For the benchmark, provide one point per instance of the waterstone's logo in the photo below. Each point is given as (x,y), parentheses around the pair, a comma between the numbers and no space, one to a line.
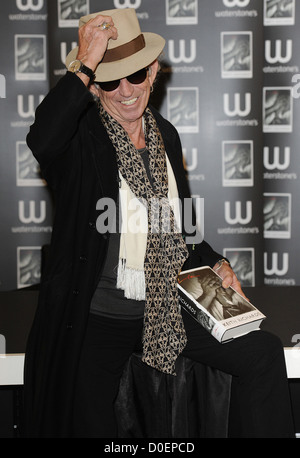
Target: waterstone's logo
(276,269)
(29,213)
(127,3)
(182,55)
(276,266)
(64,50)
(26,106)
(277,55)
(33,5)
(281,160)
(239,108)
(234,3)
(238,217)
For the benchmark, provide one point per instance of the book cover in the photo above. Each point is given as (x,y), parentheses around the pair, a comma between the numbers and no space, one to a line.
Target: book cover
(221,311)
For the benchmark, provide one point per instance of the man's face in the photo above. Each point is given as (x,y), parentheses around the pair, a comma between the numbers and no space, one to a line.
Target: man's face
(127,103)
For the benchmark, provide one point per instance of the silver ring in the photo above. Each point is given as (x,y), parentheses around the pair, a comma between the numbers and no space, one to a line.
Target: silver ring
(105,26)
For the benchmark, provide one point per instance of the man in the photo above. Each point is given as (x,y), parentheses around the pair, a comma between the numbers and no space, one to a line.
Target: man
(104,293)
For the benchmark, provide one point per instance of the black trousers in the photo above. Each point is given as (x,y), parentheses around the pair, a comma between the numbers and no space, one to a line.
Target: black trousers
(260,403)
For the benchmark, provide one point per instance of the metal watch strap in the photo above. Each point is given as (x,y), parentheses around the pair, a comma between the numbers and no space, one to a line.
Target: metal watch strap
(221,262)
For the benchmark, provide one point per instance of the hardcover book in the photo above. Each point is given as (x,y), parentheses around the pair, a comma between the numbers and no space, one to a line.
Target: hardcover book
(221,311)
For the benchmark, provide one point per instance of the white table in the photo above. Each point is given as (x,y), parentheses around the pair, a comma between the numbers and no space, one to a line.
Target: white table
(11,366)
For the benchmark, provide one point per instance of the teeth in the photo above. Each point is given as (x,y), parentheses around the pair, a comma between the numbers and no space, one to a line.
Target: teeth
(129,102)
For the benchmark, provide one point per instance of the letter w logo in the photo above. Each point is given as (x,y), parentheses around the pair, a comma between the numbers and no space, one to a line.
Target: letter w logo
(238,219)
(127,4)
(182,54)
(237,111)
(32,217)
(278,57)
(233,3)
(276,161)
(274,270)
(29,5)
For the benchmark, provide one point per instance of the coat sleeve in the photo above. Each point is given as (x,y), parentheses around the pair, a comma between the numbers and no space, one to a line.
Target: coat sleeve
(57,119)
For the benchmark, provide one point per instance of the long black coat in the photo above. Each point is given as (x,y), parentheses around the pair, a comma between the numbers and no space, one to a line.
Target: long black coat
(79,163)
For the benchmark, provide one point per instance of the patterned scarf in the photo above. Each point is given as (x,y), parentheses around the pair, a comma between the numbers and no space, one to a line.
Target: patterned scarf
(164,335)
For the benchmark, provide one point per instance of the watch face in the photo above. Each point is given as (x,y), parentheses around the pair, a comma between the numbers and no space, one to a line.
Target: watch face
(75,66)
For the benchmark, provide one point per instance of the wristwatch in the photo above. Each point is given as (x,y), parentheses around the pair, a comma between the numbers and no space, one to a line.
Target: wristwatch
(78,67)
(221,262)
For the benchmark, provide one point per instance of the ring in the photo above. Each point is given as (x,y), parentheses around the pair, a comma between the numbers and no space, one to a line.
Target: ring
(105,26)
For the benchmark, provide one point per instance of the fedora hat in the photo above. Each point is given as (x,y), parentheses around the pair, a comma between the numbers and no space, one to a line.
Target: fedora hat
(130,52)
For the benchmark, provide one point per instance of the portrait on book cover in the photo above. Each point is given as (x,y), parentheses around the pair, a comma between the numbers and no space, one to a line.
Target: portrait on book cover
(222,303)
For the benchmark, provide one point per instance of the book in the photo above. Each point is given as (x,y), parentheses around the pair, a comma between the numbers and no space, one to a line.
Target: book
(221,311)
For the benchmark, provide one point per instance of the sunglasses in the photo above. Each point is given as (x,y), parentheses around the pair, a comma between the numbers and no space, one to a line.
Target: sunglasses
(136,78)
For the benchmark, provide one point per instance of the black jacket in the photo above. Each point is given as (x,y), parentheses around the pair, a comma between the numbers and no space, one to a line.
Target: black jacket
(78,161)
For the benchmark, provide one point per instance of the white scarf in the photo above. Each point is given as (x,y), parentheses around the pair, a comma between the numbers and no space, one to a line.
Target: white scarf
(131,277)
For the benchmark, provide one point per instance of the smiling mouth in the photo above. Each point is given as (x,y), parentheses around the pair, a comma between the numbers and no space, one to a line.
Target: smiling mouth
(129,102)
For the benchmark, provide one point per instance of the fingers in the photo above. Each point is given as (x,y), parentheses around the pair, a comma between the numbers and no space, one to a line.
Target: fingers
(230,279)
(98,20)
(227,277)
(105,24)
(93,40)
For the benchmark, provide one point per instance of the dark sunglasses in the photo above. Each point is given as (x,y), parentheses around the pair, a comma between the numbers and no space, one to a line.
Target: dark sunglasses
(136,78)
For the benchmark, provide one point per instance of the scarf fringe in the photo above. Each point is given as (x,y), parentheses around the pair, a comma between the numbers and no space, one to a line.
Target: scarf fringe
(131,281)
